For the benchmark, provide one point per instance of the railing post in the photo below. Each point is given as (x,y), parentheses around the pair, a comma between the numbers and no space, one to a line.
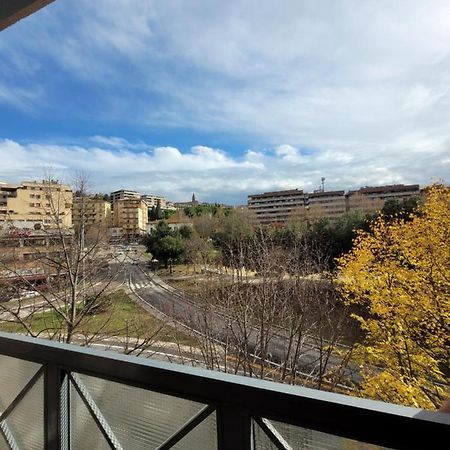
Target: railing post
(233,428)
(52,407)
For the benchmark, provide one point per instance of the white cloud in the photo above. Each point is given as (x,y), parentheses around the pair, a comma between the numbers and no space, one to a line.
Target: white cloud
(213,174)
(364,86)
(289,154)
(117,142)
(308,73)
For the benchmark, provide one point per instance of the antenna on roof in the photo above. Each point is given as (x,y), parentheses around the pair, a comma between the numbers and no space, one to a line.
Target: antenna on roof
(323,184)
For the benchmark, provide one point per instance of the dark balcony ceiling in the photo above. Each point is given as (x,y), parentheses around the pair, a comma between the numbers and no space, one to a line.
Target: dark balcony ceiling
(13,10)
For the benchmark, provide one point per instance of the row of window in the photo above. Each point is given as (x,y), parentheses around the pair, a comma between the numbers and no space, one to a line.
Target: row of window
(38,255)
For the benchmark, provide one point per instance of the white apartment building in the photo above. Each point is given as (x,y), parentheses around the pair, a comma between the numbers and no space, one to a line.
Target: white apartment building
(152,201)
(123,193)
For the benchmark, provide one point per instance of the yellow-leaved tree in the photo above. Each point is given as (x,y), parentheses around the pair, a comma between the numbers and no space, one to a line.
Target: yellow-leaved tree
(397,278)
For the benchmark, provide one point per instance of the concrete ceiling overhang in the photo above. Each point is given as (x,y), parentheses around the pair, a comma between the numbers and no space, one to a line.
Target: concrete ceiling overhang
(13,10)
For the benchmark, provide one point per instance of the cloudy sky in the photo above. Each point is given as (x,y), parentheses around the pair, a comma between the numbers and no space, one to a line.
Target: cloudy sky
(227,98)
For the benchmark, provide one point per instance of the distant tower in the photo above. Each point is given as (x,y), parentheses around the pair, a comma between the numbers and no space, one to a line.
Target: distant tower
(323,184)
(194,201)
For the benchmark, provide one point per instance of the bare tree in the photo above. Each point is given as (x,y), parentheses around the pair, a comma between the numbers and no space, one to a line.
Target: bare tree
(78,275)
(284,323)
(198,251)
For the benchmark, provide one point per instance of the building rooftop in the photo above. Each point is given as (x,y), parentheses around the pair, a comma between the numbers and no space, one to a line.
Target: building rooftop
(13,11)
(325,194)
(285,192)
(386,188)
(390,188)
(125,190)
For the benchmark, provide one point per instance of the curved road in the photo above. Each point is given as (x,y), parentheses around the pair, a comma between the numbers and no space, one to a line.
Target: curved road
(174,304)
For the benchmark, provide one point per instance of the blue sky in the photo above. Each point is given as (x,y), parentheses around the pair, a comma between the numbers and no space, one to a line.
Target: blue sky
(229,98)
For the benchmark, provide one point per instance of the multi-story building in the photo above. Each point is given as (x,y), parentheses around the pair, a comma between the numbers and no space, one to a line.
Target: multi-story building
(123,193)
(277,206)
(152,201)
(372,199)
(280,206)
(48,203)
(325,204)
(20,245)
(96,212)
(31,257)
(131,215)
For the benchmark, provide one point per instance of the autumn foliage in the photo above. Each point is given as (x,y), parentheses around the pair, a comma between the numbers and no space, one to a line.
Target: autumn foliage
(398,279)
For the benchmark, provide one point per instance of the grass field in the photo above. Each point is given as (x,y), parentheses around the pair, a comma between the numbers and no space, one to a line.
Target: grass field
(120,317)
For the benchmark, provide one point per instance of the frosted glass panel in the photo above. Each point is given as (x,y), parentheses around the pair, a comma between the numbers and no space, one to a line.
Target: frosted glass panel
(14,375)
(26,421)
(261,440)
(140,419)
(3,444)
(84,431)
(306,439)
(203,435)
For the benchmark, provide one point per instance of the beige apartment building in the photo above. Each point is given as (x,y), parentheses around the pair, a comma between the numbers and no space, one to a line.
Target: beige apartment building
(372,198)
(97,212)
(24,205)
(325,204)
(276,206)
(131,215)
(280,206)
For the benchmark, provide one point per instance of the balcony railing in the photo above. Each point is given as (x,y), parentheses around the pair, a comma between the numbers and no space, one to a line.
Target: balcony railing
(58,396)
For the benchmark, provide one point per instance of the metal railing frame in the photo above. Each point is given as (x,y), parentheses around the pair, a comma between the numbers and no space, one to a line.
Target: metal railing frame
(236,399)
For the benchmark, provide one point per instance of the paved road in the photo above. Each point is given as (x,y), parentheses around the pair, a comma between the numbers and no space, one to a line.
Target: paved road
(155,292)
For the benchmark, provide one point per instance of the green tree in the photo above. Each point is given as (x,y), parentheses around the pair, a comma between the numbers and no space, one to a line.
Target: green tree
(169,249)
(161,230)
(158,210)
(152,214)
(152,239)
(211,210)
(164,244)
(167,213)
(333,239)
(400,208)
(185,232)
